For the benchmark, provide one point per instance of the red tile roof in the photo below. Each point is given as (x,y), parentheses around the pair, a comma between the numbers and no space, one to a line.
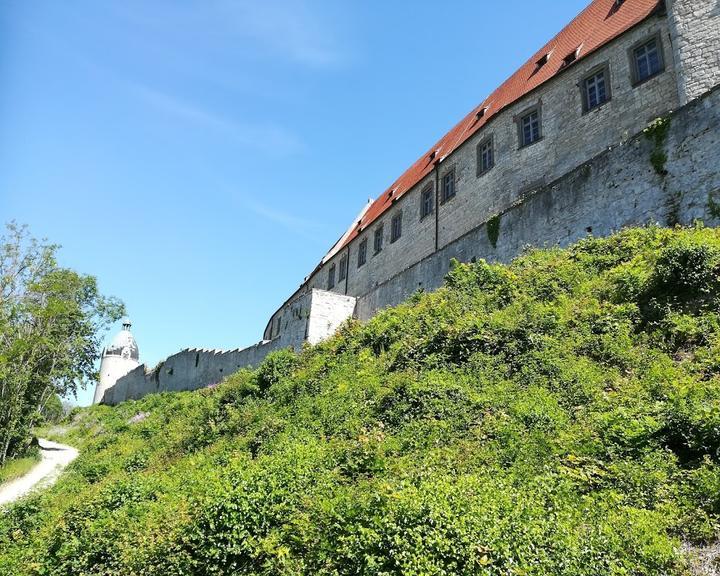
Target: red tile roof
(601,22)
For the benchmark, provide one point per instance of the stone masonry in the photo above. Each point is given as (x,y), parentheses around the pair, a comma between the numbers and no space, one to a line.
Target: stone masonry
(590,173)
(694,26)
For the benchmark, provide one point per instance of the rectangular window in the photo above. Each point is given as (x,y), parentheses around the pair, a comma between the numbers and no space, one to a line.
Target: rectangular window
(647,60)
(595,90)
(343,267)
(486,156)
(427,201)
(530,128)
(331,277)
(448,185)
(362,252)
(396,227)
(378,239)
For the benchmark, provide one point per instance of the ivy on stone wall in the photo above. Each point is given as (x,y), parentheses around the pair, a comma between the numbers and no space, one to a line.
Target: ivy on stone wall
(493,230)
(713,205)
(673,208)
(657,132)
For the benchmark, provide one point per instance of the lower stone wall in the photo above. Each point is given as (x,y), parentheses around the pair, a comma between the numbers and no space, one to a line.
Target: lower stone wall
(189,369)
(312,316)
(619,188)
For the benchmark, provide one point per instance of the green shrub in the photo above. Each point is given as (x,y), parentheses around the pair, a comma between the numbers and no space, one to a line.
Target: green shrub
(556,416)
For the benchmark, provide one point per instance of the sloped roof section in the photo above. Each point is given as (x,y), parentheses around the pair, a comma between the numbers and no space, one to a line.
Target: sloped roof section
(601,22)
(342,242)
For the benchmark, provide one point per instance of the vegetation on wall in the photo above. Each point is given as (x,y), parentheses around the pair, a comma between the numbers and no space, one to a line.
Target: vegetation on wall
(50,320)
(558,416)
(657,133)
(493,230)
(713,205)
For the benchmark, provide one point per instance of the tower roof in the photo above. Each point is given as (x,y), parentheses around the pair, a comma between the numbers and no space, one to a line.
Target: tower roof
(123,344)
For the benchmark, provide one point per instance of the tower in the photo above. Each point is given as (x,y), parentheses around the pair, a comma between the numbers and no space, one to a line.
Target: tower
(695,35)
(118,359)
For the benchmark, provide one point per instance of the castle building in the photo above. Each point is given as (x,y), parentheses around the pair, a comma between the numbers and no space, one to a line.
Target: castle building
(118,358)
(615,122)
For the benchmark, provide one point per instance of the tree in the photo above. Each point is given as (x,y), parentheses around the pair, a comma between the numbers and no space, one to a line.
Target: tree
(51,320)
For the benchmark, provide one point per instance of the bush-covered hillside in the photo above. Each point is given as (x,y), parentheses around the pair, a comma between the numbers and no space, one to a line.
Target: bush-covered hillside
(558,416)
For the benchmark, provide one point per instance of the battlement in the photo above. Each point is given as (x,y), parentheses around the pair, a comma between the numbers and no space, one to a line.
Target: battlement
(317,315)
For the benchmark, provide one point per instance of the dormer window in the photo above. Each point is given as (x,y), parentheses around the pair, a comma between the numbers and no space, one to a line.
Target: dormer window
(570,58)
(543,60)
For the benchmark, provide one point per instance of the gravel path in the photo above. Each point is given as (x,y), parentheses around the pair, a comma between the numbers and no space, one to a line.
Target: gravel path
(54,458)
(704,560)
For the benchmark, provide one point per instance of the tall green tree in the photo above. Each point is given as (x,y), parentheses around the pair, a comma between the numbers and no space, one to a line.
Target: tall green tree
(51,324)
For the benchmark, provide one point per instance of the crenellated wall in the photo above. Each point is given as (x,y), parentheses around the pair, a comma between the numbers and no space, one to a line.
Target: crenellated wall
(311,316)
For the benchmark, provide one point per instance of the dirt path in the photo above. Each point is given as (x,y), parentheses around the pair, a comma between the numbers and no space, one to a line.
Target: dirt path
(54,458)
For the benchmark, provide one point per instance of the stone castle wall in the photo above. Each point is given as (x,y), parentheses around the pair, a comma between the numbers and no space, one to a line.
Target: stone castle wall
(618,188)
(311,316)
(591,173)
(570,138)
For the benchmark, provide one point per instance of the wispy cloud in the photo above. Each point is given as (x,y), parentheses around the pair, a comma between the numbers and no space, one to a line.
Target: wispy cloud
(266,137)
(284,219)
(308,32)
(291,28)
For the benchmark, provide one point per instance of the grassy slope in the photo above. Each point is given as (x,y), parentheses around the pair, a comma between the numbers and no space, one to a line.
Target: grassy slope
(559,416)
(17,467)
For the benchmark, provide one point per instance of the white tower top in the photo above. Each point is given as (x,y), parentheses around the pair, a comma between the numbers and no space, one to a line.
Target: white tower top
(123,344)
(118,358)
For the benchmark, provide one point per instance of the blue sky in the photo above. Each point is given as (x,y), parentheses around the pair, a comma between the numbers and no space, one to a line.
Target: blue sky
(199,157)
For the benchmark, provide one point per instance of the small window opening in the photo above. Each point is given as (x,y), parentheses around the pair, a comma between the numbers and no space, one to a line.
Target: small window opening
(331,277)
(530,128)
(396,227)
(648,60)
(595,90)
(448,186)
(378,239)
(362,253)
(343,267)
(427,201)
(486,156)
